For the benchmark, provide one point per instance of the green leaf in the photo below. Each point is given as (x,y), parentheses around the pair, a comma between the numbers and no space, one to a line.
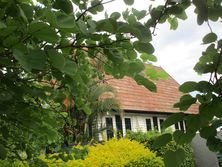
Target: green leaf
(173,119)
(193,123)
(201,10)
(187,87)
(135,68)
(6,95)
(182,16)
(143,47)
(173,23)
(162,140)
(43,31)
(108,25)
(64,5)
(163,74)
(139,14)
(185,102)
(115,15)
(141,32)
(214,144)
(208,131)
(70,68)
(145,82)
(204,87)
(156,13)
(28,10)
(37,59)
(22,14)
(57,59)
(65,21)
(131,19)
(202,68)
(174,158)
(175,9)
(98,7)
(3,152)
(129,2)
(2,25)
(209,38)
(22,59)
(145,57)
(82,26)
(151,73)
(182,138)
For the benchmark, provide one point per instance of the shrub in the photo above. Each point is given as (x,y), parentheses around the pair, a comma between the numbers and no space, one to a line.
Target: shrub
(60,158)
(119,153)
(13,163)
(146,162)
(148,139)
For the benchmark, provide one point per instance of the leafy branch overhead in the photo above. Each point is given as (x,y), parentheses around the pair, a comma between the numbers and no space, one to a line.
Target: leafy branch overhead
(52,52)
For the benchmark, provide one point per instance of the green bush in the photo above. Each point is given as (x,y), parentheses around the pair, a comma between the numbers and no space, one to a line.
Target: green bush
(63,156)
(146,162)
(13,163)
(148,139)
(119,153)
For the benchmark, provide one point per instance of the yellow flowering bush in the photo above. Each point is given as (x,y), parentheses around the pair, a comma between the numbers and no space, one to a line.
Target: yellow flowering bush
(51,161)
(116,153)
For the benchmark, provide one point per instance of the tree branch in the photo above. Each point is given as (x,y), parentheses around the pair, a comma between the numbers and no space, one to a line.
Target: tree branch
(91,7)
(162,13)
(93,46)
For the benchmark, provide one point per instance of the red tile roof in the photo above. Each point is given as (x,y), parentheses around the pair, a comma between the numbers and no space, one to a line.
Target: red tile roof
(137,98)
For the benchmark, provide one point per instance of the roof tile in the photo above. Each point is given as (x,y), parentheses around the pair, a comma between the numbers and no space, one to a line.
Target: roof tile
(136,97)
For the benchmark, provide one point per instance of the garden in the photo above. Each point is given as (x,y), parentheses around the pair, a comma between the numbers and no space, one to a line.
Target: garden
(54,56)
(136,149)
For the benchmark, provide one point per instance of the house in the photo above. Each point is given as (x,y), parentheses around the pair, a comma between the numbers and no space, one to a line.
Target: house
(143,110)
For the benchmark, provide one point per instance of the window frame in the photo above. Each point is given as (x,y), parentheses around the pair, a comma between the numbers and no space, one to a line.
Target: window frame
(179,127)
(130,123)
(151,122)
(113,128)
(158,122)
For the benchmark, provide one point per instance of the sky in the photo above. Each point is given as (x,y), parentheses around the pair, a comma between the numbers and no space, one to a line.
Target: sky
(177,51)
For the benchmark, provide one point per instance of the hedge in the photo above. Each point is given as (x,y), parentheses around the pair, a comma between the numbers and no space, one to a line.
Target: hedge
(148,139)
(119,153)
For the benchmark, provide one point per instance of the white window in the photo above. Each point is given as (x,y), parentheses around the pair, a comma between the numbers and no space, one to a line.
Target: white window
(180,126)
(160,122)
(149,124)
(109,127)
(128,124)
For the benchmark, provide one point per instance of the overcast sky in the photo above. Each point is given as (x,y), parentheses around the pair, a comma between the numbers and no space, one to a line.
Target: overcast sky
(177,51)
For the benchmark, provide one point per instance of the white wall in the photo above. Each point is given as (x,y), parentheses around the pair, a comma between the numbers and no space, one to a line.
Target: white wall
(138,122)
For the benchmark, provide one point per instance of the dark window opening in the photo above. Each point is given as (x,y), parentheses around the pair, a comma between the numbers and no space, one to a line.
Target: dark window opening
(155,123)
(182,126)
(119,126)
(128,124)
(177,126)
(109,126)
(148,125)
(161,122)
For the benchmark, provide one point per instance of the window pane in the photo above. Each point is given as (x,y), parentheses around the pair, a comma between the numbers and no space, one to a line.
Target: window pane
(109,126)
(181,126)
(128,124)
(177,126)
(148,125)
(119,126)
(161,122)
(155,124)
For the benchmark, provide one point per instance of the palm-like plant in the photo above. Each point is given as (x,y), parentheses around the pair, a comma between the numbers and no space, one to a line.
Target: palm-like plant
(102,100)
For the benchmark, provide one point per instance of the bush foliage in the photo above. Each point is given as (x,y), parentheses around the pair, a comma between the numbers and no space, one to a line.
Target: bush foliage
(115,152)
(148,140)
